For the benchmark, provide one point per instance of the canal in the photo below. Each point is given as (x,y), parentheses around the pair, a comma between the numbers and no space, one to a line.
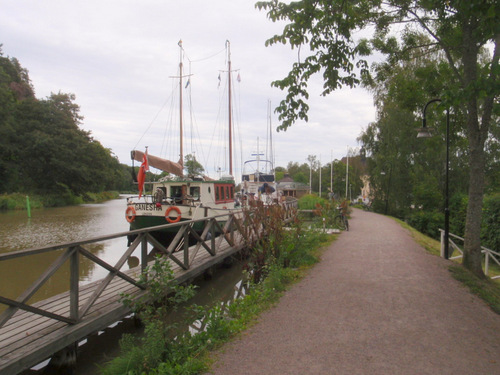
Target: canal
(66,224)
(52,226)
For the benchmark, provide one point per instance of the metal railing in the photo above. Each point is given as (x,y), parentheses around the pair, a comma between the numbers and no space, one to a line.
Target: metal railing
(488,253)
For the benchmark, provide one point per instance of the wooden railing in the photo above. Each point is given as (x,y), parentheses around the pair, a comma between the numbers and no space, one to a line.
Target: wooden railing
(488,253)
(239,230)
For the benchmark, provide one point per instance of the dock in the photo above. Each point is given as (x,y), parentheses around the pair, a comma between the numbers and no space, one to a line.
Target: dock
(32,333)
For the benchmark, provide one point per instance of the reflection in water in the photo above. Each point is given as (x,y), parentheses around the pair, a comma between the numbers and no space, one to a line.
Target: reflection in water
(53,226)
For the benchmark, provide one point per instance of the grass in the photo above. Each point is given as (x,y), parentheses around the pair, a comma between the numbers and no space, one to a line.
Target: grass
(286,262)
(486,289)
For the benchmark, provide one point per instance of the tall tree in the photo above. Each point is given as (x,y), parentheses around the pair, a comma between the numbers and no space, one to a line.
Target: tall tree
(42,148)
(460,29)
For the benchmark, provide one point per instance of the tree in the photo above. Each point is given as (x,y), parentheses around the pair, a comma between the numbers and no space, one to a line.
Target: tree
(42,148)
(459,29)
(192,167)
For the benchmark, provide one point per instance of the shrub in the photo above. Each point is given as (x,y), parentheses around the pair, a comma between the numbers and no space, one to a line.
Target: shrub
(309,202)
(490,231)
(427,222)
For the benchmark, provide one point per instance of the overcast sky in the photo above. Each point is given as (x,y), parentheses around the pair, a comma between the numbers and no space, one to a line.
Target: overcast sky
(117,57)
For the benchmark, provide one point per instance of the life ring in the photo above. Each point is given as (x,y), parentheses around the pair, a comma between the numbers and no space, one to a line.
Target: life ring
(167,214)
(130,214)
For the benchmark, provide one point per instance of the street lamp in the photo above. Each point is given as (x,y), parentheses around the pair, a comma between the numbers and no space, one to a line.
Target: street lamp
(425,132)
(383,173)
(362,153)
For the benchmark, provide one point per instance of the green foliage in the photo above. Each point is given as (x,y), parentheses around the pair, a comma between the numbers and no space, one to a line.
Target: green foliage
(458,213)
(42,148)
(490,233)
(146,353)
(309,202)
(487,290)
(427,222)
(158,352)
(440,53)
(163,292)
(192,166)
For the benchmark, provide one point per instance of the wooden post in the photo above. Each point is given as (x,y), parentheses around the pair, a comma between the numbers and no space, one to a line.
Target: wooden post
(73,284)
(186,248)
(144,255)
(486,262)
(442,243)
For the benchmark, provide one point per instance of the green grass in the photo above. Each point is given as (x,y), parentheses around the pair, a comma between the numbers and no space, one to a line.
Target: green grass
(488,290)
(155,353)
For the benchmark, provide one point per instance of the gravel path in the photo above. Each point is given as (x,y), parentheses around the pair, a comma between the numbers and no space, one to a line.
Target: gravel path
(377,303)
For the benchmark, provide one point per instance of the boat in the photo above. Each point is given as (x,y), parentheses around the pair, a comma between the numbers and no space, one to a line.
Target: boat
(178,197)
(258,180)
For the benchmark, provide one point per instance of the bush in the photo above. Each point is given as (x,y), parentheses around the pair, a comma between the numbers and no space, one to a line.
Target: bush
(309,202)
(282,256)
(490,231)
(458,213)
(427,222)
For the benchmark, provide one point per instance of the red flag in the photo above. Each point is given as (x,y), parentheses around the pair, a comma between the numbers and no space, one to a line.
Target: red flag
(141,176)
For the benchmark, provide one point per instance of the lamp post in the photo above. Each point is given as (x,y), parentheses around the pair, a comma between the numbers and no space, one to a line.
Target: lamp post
(383,173)
(425,132)
(347,175)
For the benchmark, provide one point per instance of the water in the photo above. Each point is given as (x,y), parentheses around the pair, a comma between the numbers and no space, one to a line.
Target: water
(52,226)
(66,224)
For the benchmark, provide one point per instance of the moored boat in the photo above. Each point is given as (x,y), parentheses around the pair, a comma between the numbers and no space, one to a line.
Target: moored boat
(178,197)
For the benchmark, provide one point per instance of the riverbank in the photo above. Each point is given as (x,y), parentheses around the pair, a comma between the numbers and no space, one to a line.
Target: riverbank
(19,201)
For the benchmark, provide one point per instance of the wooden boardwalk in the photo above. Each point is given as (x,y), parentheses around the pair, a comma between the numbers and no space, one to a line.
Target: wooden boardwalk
(31,333)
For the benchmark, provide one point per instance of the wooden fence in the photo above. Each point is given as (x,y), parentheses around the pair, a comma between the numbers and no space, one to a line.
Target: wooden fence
(30,333)
(489,255)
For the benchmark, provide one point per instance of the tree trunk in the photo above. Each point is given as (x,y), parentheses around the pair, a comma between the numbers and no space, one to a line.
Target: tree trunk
(477,133)
(472,248)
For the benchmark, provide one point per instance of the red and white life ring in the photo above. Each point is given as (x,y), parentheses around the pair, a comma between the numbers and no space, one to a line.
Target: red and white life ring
(167,214)
(130,214)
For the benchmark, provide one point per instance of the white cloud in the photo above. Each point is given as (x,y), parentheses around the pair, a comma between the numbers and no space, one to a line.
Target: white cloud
(117,56)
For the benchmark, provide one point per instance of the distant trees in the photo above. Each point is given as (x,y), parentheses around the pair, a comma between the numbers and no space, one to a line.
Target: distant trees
(42,148)
(404,32)
(192,166)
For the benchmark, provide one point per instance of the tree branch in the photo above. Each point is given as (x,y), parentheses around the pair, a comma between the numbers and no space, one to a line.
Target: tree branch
(440,42)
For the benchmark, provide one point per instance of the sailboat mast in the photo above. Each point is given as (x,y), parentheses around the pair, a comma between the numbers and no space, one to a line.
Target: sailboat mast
(181,161)
(230,110)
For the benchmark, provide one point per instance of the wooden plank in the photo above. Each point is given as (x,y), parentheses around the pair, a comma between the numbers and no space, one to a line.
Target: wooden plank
(27,339)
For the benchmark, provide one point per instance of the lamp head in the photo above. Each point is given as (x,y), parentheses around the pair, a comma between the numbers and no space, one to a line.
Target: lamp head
(424,132)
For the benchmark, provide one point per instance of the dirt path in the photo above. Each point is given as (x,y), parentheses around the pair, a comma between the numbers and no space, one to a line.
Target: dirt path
(377,303)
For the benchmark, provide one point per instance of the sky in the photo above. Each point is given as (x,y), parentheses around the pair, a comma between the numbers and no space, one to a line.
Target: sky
(118,58)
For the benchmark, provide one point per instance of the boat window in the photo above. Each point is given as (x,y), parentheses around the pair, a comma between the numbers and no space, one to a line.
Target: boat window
(176,191)
(195,192)
(224,193)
